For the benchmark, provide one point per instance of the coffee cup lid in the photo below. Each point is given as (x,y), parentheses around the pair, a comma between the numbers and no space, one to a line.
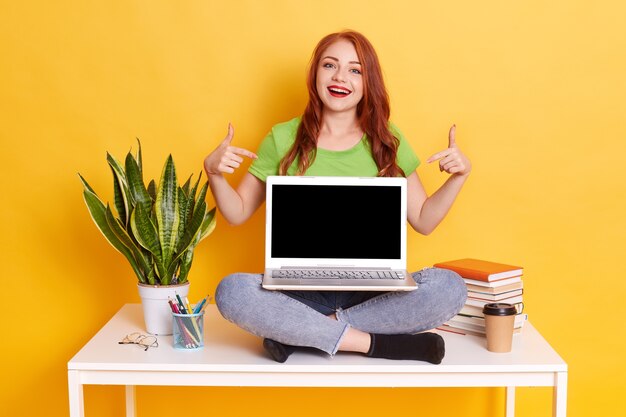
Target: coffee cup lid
(499,309)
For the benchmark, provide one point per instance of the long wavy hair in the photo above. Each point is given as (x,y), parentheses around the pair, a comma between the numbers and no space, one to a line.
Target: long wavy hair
(372,111)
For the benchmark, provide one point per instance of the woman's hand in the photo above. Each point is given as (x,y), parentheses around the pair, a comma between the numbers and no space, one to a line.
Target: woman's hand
(226,158)
(452,160)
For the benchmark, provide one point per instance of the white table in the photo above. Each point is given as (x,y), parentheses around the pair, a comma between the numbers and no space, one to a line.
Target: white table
(232,357)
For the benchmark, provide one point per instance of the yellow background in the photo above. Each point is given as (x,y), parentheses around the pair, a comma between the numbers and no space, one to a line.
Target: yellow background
(537,90)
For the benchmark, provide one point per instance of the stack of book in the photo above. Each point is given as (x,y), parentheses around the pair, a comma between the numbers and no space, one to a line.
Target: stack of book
(487,282)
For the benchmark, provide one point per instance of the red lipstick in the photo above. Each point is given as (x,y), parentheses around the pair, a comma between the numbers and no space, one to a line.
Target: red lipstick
(337,91)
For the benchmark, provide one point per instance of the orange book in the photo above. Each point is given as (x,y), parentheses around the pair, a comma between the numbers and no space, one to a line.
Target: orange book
(481,270)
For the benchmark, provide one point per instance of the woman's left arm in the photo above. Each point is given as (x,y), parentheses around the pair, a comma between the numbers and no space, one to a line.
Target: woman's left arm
(424,212)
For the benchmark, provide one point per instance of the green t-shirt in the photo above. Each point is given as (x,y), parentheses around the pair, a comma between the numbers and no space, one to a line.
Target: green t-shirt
(355,162)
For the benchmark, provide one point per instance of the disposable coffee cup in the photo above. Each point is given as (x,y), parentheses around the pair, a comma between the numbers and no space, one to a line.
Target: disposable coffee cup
(499,320)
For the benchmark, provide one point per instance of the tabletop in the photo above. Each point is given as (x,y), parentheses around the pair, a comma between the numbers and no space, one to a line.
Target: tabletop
(229,348)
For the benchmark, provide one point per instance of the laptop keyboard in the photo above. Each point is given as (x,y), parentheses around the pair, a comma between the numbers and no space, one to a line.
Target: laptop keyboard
(335,274)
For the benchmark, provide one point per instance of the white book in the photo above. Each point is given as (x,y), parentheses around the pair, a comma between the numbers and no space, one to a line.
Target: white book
(477,311)
(493,297)
(479,321)
(464,330)
(481,303)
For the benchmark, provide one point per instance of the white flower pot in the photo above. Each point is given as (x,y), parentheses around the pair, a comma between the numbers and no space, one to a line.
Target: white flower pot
(157,313)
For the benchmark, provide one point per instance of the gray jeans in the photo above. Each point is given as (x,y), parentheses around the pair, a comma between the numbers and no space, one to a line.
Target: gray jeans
(299,318)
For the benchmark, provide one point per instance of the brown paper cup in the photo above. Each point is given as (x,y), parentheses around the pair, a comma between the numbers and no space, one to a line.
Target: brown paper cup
(499,321)
(499,333)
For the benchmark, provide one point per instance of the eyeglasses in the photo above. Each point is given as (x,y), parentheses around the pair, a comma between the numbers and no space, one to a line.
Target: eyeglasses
(142,340)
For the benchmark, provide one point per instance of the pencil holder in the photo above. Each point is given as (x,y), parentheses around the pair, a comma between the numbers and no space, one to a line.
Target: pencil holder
(188,331)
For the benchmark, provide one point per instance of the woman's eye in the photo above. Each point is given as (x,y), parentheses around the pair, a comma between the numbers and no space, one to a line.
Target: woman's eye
(355,71)
(328,65)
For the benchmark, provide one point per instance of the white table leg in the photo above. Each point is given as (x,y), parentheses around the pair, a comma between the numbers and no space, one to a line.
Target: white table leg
(75,388)
(559,401)
(510,402)
(131,403)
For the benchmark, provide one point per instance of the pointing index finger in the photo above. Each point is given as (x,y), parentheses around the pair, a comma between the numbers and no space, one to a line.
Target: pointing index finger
(243,152)
(439,155)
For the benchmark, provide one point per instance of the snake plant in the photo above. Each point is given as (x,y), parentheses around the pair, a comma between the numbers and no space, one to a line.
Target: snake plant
(156,227)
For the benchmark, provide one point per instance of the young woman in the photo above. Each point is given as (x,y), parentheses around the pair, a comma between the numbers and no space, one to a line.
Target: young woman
(345,131)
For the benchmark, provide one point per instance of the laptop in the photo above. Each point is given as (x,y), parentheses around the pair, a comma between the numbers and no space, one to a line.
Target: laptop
(336,234)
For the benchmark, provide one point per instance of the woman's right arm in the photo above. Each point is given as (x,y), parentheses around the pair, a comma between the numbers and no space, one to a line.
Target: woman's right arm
(235,205)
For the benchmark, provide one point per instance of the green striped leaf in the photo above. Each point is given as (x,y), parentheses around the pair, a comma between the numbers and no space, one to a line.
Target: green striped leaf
(203,191)
(146,234)
(172,270)
(121,193)
(208,225)
(183,208)
(186,185)
(152,190)
(139,157)
(86,184)
(191,199)
(167,211)
(135,183)
(185,265)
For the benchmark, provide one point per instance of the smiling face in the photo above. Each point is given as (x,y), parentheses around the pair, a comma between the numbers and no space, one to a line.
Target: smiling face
(339,81)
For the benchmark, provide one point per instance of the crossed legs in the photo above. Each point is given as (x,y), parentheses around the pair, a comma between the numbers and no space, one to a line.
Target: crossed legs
(358,322)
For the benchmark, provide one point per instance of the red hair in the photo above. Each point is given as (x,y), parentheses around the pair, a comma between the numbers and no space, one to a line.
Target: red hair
(372,111)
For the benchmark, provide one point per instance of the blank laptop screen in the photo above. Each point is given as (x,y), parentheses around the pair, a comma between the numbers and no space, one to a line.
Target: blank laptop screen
(336,221)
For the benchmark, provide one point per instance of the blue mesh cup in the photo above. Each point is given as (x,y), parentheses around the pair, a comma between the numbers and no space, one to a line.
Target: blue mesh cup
(188,331)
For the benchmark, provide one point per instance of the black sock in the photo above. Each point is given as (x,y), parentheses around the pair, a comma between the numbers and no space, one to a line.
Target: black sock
(277,350)
(428,347)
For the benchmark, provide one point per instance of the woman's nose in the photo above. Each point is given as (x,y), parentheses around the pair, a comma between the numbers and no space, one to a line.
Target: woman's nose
(339,76)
